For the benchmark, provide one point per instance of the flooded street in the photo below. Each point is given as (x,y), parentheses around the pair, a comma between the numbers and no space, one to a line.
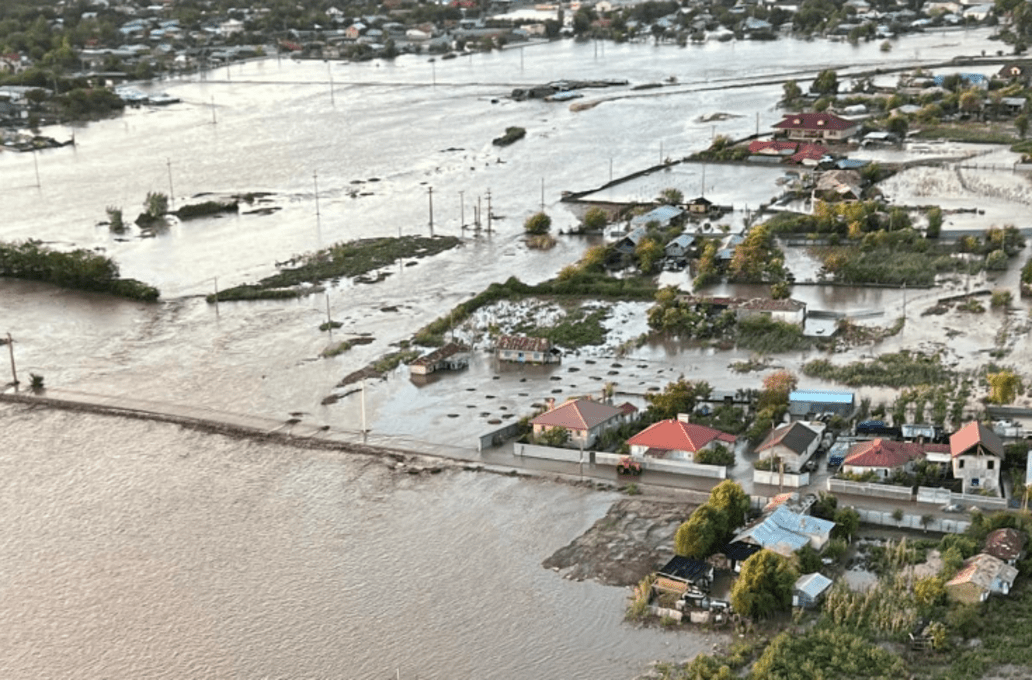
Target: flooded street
(139,549)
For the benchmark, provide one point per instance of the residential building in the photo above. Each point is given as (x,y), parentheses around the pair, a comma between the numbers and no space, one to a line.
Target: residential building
(664,215)
(677,439)
(584,419)
(737,552)
(809,589)
(785,532)
(700,205)
(792,444)
(977,454)
(688,570)
(522,349)
(679,247)
(1018,72)
(817,126)
(451,356)
(1007,545)
(981,576)
(804,403)
(788,310)
(885,457)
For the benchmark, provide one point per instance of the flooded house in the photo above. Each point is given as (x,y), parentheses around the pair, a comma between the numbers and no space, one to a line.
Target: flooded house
(816,127)
(1007,545)
(585,419)
(803,403)
(793,444)
(788,310)
(981,576)
(522,349)
(450,357)
(664,216)
(677,439)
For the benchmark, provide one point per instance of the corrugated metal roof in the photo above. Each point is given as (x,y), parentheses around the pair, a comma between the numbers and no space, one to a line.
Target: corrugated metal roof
(812,585)
(826,397)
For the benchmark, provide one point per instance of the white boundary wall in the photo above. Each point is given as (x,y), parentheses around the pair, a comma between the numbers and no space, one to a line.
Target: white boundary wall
(900,493)
(773,478)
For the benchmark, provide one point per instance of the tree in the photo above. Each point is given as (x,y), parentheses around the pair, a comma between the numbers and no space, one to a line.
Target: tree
(649,252)
(825,506)
(765,585)
(847,521)
(678,397)
(929,592)
(554,436)
(1021,124)
(538,223)
(897,515)
(156,204)
(595,219)
(671,196)
(934,222)
(731,502)
(809,559)
(791,92)
(970,101)
(898,125)
(780,290)
(776,388)
(826,83)
(1003,386)
(115,222)
(701,535)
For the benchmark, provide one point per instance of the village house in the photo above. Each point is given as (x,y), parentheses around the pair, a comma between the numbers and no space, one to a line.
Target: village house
(1007,545)
(699,206)
(772,147)
(807,403)
(817,126)
(738,552)
(785,532)
(584,419)
(977,454)
(522,349)
(981,576)
(789,311)
(1020,72)
(792,444)
(663,216)
(688,571)
(680,247)
(809,589)
(450,357)
(885,457)
(677,439)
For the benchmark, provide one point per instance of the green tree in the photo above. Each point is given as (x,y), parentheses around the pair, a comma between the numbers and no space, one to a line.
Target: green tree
(554,436)
(792,92)
(825,506)
(731,501)
(671,196)
(595,219)
(826,83)
(898,125)
(701,535)
(823,653)
(156,204)
(765,585)
(934,222)
(649,253)
(1021,124)
(809,560)
(115,221)
(929,592)
(847,522)
(678,397)
(538,223)
(1004,386)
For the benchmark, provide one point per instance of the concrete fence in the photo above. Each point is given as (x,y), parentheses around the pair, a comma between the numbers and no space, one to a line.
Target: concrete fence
(676,467)
(933,496)
(899,493)
(498,437)
(774,478)
(679,467)
(912,521)
(550,452)
(983,502)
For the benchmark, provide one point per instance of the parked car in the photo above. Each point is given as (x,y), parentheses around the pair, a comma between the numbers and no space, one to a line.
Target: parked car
(952,507)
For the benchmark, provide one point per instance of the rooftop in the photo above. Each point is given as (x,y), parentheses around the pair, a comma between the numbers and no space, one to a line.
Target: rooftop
(974,435)
(814,121)
(578,414)
(795,437)
(677,435)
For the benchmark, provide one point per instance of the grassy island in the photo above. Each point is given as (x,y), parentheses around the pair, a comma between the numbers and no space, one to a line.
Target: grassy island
(80,269)
(342,259)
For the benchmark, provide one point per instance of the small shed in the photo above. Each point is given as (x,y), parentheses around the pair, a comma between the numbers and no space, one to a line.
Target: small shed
(688,570)
(803,403)
(699,205)
(739,551)
(809,589)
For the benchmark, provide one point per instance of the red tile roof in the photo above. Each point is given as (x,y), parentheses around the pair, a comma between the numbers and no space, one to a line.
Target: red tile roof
(883,453)
(676,435)
(771,146)
(814,121)
(809,152)
(965,439)
(578,414)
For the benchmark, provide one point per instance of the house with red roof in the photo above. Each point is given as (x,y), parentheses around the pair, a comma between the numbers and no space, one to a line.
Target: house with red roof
(677,439)
(585,419)
(886,457)
(817,126)
(809,154)
(977,454)
(772,147)
(792,444)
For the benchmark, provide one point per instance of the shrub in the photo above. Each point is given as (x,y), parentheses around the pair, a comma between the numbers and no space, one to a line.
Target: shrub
(538,223)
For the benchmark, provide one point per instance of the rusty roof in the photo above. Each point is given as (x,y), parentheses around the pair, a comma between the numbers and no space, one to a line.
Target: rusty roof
(1006,544)
(578,414)
(974,434)
(521,343)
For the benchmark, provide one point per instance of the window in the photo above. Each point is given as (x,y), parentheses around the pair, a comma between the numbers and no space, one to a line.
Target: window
(989,464)
(961,464)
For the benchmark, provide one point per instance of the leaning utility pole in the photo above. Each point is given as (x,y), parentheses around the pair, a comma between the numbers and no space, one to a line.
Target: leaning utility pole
(14,372)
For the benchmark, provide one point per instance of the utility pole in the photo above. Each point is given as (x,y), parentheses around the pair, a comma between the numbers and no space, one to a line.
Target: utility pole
(14,372)
(216,296)
(489,211)
(661,152)
(610,169)
(364,430)
(462,210)
(315,180)
(329,319)
(479,212)
(431,197)
(329,70)
(213,121)
(171,193)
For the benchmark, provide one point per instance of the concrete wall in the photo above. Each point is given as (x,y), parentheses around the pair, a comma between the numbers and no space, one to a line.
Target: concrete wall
(912,521)
(984,502)
(678,467)
(933,496)
(772,478)
(498,437)
(550,452)
(900,493)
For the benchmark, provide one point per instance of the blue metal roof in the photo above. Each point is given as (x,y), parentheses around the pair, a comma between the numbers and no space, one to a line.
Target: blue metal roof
(826,397)
(812,585)
(662,214)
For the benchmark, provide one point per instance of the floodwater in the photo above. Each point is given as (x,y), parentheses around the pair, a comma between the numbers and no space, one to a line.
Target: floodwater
(164,553)
(137,549)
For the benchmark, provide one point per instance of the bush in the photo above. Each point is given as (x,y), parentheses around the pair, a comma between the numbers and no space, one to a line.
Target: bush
(718,455)
(512,134)
(539,223)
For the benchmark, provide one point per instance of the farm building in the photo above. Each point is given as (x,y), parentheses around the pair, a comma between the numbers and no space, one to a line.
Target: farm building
(805,403)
